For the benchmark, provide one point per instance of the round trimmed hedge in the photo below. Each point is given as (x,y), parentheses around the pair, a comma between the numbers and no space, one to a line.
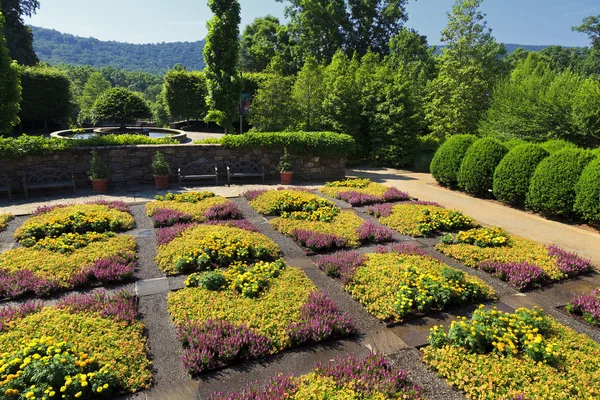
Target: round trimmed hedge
(587,201)
(552,189)
(555,145)
(448,158)
(511,144)
(513,175)
(476,173)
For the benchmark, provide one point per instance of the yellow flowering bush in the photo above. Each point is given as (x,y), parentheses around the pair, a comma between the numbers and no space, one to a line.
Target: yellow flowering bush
(77,218)
(483,237)
(295,204)
(4,220)
(194,204)
(344,225)
(350,183)
(516,250)
(424,220)
(524,354)
(185,197)
(69,242)
(64,372)
(269,314)
(392,286)
(205,246)
(86,338)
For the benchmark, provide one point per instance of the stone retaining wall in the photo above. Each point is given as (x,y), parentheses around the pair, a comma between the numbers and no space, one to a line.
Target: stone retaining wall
(130,165)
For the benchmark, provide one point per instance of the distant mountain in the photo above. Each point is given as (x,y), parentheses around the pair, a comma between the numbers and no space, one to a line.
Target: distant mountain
(55,47)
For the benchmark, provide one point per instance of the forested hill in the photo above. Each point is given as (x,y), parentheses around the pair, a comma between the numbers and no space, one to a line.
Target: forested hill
(55,47)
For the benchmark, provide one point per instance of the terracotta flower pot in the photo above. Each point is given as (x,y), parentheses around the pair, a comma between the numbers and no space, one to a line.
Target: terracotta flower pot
(100,185)
(286,178)
(161,181)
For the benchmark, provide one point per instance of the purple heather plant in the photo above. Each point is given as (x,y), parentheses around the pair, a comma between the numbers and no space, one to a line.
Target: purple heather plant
(374,233)
(520,275)
(114,204)
(116,268)
(569,263)
(358,199)
(19,283)
(167,217)
(318,241)
(402,248)
(381,210)
(277,388)
(253,194)
(44,209)
(320,319)
(236,223)
(223,211)
(215,343)
(393,194)
(586,305)
(121,306)
(425,203)
(342,264)
(168,234)
(24,309)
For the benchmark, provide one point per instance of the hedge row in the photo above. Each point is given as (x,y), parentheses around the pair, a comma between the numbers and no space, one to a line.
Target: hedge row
(555,178)
(301,143)
(24,145)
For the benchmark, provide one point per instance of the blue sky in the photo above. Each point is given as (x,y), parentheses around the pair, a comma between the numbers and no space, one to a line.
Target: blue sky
(151,21)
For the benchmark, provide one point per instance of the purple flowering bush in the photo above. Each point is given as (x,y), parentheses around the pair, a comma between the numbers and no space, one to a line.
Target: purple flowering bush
(225,211)
(167,217)
(569,263)
(318,241)
(370,232)
(121,306)
(168,234)
(24,309)
(381,210)
(586,305)
(520,275)
(236,223)
(342,264)
(253,194)
(361,192)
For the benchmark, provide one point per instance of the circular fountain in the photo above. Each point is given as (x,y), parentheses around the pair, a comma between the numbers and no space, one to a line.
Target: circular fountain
(151,132)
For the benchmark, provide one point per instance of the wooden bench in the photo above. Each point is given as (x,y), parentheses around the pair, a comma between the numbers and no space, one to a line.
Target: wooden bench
(5,185)
(245,169)
(48,178)
(198,170)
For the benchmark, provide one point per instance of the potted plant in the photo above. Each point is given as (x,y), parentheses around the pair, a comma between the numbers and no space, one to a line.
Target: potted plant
(285,168)
(161,171)
(98,174)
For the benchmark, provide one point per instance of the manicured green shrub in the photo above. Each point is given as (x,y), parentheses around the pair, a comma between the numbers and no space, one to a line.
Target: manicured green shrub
(446,162)
(317,143)
(511,144)
(552,189)
(513,175)
(476,173)
(587,201)
(552,146)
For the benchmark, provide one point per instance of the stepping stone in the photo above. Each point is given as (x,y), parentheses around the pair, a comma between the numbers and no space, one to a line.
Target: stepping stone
(141,233)
(187,390)
(258,220)
(151,286)
(384,341)
(6,246)
(560,294)
(300,262)
(520,300)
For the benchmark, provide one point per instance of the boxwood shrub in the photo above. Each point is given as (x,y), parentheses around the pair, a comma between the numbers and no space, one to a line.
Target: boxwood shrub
(552,189)
(587,201)
(313,143)
(511,144)
(446,162)
(476,174)
(553,146)
(513,175)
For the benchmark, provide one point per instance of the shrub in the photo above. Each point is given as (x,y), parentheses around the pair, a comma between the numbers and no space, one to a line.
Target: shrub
(553,146)
(511,144)
(586,305)
(447,160)
(513,175)
(587,190)
(160,167)
(552,189)
(476,173)
(4,220)
(360,192)
(300,143)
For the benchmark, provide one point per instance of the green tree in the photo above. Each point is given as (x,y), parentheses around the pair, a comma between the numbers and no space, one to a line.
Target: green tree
(184,94)
(367,80)
(120,105)
(260,41)
(272,108)
(221,57)
(591,27)
(10,87)
(586,111)
(308,94)
(46,94)
(469,67)
(95,86)
(18,36)
(160,112)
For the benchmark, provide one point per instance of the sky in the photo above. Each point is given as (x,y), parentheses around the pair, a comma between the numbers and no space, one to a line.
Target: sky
(533,22)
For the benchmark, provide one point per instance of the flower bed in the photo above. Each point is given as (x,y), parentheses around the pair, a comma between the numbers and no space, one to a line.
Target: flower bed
(420,218)
(394,284)
(524,355)
(293,204)
(210,246)
(345,378)
(249,312)
(190,206)
(83,345)
(4,220)
(586,305)
(521,262)
(75,218)
(360,192)
(66,262)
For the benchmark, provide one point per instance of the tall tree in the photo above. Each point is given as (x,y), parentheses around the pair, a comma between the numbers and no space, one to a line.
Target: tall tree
(221,54)
(308,94)
(10,87)
(470,66)
(95,86)
(591,27)
(18,35)
(261,40)
(184,94)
